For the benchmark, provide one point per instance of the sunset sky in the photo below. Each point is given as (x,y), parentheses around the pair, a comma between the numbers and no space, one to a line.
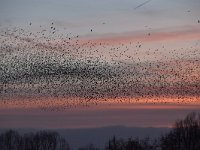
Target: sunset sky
(133,63)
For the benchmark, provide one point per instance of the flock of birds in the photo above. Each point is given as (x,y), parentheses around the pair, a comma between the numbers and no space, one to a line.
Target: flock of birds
(48,64)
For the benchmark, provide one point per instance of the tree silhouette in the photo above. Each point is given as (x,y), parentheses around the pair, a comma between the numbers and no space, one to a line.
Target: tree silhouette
(10,140)
(133,145)
(115,144)
(43,140)
(185,135)
(129,144)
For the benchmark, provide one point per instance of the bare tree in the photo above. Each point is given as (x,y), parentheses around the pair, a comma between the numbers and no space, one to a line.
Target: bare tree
(185,135)
(43,140)
(10,140)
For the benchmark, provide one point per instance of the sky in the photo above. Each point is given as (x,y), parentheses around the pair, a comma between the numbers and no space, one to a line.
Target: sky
(91,63)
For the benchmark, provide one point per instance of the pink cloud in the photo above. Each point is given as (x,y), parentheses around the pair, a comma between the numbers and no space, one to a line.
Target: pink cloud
(182,34)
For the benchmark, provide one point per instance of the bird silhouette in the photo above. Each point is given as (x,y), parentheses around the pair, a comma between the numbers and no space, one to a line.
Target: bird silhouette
(49,63)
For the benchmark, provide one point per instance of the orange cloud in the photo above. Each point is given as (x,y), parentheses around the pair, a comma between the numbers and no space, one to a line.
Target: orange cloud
(106,103)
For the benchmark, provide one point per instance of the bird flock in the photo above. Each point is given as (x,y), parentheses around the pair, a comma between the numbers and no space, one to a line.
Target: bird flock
(51,64)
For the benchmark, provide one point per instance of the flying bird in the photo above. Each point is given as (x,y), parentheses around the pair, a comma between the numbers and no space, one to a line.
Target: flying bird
(143,4)
(62,68)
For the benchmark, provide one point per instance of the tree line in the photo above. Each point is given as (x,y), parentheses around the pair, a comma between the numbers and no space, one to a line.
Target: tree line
(185,135)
